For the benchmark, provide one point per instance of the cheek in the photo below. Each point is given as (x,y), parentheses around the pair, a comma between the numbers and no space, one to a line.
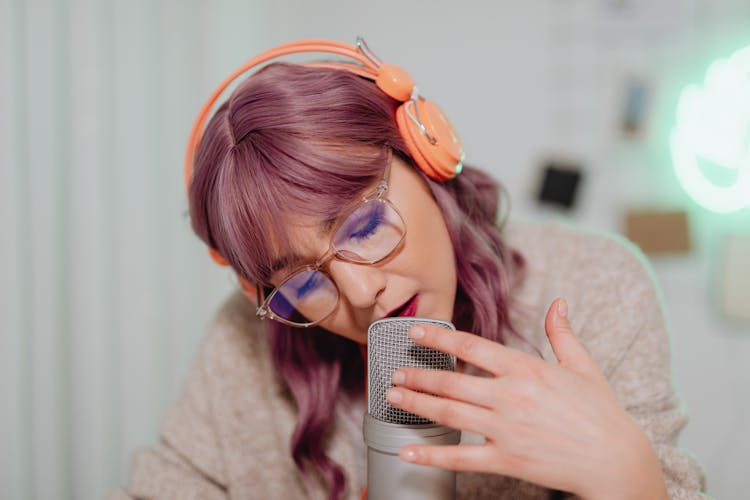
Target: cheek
(430,249)
(340,323)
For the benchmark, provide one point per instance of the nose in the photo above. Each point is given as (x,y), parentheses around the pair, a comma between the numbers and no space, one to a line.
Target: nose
(357,283)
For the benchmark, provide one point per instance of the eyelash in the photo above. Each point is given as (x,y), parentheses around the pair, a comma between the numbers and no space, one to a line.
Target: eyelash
(312,282)
(373,223)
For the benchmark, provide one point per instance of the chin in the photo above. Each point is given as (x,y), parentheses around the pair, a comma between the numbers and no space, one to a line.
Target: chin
(441,313)
(447,315)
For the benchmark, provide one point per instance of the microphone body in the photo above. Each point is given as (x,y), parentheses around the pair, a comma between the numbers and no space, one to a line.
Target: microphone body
(386,429)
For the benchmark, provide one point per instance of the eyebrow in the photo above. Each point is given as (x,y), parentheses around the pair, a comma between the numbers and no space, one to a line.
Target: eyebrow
(294,258)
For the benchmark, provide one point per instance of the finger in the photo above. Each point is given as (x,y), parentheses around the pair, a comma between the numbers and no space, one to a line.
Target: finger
(458,386)
(454,414)
(567,348)
(476,458)
(483,353)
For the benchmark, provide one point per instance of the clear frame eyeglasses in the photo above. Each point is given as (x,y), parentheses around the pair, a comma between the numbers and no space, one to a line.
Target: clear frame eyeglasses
(368,234)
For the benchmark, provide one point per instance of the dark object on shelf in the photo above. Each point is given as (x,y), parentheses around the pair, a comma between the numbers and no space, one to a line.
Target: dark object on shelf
(560,183)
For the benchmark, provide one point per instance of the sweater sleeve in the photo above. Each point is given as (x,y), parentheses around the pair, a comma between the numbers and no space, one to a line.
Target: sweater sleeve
(641,376)
(186,464)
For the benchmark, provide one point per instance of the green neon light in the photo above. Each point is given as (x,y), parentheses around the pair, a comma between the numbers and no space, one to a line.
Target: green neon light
(710,141)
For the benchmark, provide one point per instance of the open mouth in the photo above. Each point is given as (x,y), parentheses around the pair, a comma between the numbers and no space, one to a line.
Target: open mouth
(408,308)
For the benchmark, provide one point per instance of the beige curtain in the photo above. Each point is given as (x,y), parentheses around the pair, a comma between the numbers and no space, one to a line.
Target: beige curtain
(104,290)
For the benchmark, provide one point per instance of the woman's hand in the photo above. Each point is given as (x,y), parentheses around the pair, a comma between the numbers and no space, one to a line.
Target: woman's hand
(557,425)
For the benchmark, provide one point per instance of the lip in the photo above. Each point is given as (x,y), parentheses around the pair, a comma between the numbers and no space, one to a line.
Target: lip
(408,308)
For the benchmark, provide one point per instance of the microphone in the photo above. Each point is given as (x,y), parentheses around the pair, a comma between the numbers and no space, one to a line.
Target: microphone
(386,429)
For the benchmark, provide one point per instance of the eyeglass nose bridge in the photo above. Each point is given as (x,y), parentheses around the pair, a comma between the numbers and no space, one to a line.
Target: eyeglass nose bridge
(330,254)
(334,253)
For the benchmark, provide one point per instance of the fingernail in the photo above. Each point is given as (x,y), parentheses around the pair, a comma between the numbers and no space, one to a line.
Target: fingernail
(398,377)
(395,396)
(417,332)
(410,455)
(562,308)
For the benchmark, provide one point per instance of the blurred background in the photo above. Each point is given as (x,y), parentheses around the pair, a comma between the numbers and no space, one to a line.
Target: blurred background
(573,104)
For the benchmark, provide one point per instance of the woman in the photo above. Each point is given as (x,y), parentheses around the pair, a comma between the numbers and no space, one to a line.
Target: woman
(306,184)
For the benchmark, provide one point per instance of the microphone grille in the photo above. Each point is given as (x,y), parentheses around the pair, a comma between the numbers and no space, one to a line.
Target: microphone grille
(389,348)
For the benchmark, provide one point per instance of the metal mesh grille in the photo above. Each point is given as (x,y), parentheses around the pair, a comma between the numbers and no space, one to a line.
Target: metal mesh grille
(389,348)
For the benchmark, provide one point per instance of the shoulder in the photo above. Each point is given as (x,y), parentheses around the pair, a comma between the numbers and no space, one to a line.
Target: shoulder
(607,281)
(235,389)
(231,360)
(233,348)
(579,259)
(569,243)
(234,364)
(233,413)
(235,334)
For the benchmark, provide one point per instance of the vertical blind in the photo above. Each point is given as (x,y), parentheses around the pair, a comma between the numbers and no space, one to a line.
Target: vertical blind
(105,292)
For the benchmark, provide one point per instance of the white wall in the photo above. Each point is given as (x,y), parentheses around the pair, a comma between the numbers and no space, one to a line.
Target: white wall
(105,290)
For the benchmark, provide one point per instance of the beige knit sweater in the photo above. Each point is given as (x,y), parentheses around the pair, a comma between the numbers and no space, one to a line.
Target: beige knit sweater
(227,435)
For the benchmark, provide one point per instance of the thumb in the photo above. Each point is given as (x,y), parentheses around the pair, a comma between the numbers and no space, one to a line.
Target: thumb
(569,351)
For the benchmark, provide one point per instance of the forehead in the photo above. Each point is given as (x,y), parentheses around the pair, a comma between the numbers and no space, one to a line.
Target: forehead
(301,243)
(307,237)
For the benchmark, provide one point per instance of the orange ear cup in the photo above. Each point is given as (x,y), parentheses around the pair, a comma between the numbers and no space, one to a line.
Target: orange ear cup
(442,160)
(436,150)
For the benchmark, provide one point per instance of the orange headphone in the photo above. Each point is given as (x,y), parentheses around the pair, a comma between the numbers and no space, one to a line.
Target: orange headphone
(433,144)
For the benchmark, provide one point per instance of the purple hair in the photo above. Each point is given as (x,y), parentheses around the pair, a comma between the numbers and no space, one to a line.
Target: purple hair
(311,140)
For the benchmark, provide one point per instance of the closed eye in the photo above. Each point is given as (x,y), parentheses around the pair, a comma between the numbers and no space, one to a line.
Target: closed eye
(366,224)
(311,283)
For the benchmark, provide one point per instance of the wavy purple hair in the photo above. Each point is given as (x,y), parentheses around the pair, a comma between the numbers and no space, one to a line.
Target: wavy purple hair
(311,140)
